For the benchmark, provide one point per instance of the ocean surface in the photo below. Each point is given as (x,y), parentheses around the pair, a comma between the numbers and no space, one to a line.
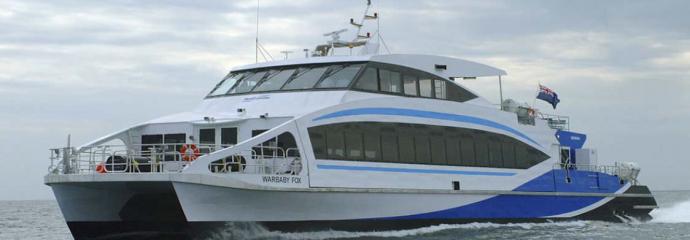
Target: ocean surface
(42,220)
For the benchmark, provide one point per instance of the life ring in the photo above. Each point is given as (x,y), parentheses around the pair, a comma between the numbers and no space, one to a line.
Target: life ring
(100,168)
(189,152)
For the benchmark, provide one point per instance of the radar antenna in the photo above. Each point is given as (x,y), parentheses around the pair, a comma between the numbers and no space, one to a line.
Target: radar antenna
(359,39)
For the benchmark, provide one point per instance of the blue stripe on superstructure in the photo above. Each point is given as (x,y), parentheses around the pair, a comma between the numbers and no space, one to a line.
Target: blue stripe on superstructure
(412,170)
(425,114)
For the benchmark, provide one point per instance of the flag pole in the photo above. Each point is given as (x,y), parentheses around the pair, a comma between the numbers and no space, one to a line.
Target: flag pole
(500,91)
(534,101)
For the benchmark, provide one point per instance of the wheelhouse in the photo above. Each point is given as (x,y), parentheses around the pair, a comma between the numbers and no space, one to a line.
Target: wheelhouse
(373,77)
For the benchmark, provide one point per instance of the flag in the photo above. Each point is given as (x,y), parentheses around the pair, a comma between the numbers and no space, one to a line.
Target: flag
(548,95)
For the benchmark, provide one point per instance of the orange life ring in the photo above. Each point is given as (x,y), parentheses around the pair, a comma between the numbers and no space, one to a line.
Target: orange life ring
(189,152)
(100,168)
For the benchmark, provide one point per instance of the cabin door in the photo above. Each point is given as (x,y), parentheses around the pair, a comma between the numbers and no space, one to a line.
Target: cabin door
(566,161)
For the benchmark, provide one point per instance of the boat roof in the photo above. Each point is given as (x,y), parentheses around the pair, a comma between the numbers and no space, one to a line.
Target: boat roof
(446,67)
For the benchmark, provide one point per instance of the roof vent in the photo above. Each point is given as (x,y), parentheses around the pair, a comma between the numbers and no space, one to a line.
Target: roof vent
(440,67)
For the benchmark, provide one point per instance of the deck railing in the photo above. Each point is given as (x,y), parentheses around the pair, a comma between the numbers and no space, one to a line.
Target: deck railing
(159,158)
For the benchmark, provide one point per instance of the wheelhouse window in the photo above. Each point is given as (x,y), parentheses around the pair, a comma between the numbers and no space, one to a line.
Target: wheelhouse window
(369,80)
(370,77)
(340,77)
(306,78)
(421,144)
(248,83)
(275,81)
(224,86)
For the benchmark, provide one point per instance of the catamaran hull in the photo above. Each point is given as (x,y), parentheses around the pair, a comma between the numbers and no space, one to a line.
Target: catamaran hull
(175,210)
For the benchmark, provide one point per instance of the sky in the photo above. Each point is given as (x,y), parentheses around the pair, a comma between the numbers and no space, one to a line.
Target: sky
(88,68)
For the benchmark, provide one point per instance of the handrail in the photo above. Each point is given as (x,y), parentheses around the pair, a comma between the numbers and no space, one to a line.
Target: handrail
(156,158)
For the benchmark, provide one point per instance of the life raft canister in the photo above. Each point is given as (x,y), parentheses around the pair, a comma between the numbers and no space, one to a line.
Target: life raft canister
(189,152)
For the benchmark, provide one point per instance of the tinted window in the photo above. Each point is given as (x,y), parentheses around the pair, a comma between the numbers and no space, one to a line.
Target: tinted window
(228,136)
(248,83)
(481,147)
(317,137)
(390,81)
(495,152)
(425,89)
(306,78)
(335,142)
(224,86)
(422,149)
(467,151)
(410,85)
(438,149)
(456,93)
(275,81)
(372,148)
(368,80)
(207,136)
(353,143)
(508,153)
(340,77)
(389,145)
(421,144)
(453,151)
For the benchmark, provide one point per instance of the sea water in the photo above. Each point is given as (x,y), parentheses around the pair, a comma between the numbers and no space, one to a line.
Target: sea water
(42,220)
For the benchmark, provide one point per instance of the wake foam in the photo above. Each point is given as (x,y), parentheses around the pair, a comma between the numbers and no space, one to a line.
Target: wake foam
(249,231)
(678,213)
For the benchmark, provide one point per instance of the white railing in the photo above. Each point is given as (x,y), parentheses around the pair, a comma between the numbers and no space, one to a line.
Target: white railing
(556,121)
(158,158)
(260,160)
(122,158)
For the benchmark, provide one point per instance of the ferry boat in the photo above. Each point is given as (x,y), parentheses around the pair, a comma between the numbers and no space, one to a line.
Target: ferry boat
(359,142)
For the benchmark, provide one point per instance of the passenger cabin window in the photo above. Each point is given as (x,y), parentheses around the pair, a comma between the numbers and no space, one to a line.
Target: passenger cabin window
(410,85)
(440,89)
(228,137)
(390,81)
(425,89)
(421,144)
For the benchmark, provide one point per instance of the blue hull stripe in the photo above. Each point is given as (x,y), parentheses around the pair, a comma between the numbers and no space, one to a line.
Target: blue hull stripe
(412,170)
(425,114)
(511,207)
(530,206)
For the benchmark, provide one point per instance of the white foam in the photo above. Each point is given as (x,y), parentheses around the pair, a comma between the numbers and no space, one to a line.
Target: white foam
(257,233)
(678,213)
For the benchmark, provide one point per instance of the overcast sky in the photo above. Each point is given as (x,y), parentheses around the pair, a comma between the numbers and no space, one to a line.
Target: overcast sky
(621,68)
